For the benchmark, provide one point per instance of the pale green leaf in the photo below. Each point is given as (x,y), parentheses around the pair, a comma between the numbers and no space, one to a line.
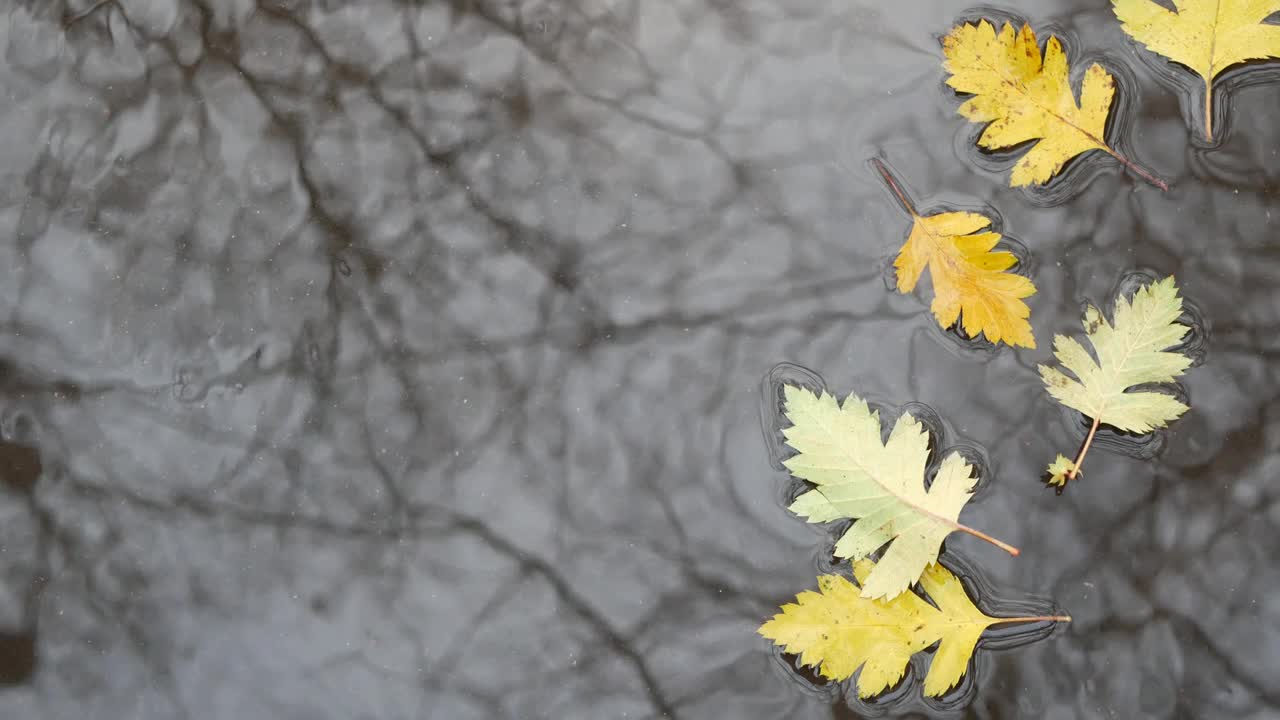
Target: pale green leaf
(1131,350)
(879,484)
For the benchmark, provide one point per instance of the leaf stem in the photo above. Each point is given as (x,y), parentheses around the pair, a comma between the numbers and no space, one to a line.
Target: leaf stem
(1208,109)
(895,187)
(983,536)
(1034,618)
(1138,169)
(1075,467)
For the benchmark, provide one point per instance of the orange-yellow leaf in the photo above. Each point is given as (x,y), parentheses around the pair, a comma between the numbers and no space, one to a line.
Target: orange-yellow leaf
(970,279)
(971,282)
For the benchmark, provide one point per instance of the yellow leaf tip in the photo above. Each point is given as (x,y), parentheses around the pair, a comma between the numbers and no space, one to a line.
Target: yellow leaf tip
(1059,469)
(937,689)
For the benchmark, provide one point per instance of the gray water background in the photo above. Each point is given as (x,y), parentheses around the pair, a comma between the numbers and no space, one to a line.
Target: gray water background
(385,359)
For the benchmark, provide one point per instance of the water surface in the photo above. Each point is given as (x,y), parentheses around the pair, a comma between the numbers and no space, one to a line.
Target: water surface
(394,359)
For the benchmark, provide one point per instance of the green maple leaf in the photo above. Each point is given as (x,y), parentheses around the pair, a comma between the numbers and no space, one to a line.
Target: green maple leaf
(1132,349)
(879,484)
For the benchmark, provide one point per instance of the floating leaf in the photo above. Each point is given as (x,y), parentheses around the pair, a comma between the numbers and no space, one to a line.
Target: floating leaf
(880,484)
(838,630)
(1059,469)
(1207,36)
(1132,350)
(1027,98)
(970,282)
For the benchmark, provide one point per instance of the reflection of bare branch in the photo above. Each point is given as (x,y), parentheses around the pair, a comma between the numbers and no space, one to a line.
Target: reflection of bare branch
(97,5)
(570,597)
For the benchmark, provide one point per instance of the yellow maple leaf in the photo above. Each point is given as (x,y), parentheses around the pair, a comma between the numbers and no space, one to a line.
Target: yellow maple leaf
(839,631)
(970,282)
(1028,98)
(1207,36)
